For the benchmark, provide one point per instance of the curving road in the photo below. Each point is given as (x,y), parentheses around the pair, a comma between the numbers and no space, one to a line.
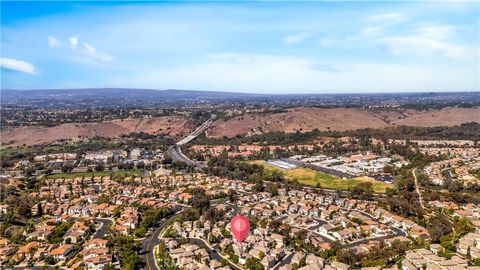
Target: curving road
(199,130)
(149,243)
(102,231)
(175,152)
(147,246)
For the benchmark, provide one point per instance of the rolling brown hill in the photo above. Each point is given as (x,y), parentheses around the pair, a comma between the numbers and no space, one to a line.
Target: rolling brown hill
(171,126)
(306,119)
(296,119)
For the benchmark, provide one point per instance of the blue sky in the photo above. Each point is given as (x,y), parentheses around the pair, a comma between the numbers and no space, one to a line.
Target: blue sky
(259,47)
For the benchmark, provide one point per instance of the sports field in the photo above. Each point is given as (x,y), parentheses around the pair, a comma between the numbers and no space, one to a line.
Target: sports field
(312,178)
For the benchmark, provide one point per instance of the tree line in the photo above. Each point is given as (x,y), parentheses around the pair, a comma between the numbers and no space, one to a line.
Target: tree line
(465,131)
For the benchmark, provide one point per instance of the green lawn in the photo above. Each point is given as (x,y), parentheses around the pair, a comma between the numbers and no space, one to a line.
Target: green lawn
(90,174)
(312,177)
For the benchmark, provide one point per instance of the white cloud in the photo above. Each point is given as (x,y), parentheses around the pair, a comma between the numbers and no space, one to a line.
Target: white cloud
(427,40)
(90,48)
(438,32)
(92,51)
(387,17)
(296,39)
(73,42)
(423,46)
(53,42)
(17,65)
(378,24)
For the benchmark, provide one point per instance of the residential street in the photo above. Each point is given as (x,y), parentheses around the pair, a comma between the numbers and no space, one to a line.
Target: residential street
(213,253)
(100,233)
(149,243)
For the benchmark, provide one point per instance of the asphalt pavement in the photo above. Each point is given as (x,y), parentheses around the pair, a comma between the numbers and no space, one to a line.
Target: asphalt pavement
(102,231)
(176,155)
(149,243)
(285,261)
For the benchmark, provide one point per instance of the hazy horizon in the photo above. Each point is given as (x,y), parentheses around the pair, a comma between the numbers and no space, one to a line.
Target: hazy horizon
(246,92)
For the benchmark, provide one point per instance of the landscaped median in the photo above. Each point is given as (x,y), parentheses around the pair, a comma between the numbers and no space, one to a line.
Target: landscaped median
(313,178)
(159,255)
(162,259)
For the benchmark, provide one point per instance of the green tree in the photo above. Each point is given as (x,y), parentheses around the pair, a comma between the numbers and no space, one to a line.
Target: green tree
(200,200)
(439,226)
(39,210)
(99,167)
(232,195)
(253,264)
(127,250)
(363,191)
(49,260)
(272,189)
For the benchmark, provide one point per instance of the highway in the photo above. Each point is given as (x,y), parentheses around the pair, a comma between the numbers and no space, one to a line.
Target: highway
(176,154)
(196,132)
(175,151)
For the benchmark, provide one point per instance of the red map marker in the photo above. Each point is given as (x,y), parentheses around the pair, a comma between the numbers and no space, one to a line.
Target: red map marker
(240,226)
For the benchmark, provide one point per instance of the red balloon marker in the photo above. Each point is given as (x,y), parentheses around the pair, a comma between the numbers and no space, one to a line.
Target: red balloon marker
(240,226)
